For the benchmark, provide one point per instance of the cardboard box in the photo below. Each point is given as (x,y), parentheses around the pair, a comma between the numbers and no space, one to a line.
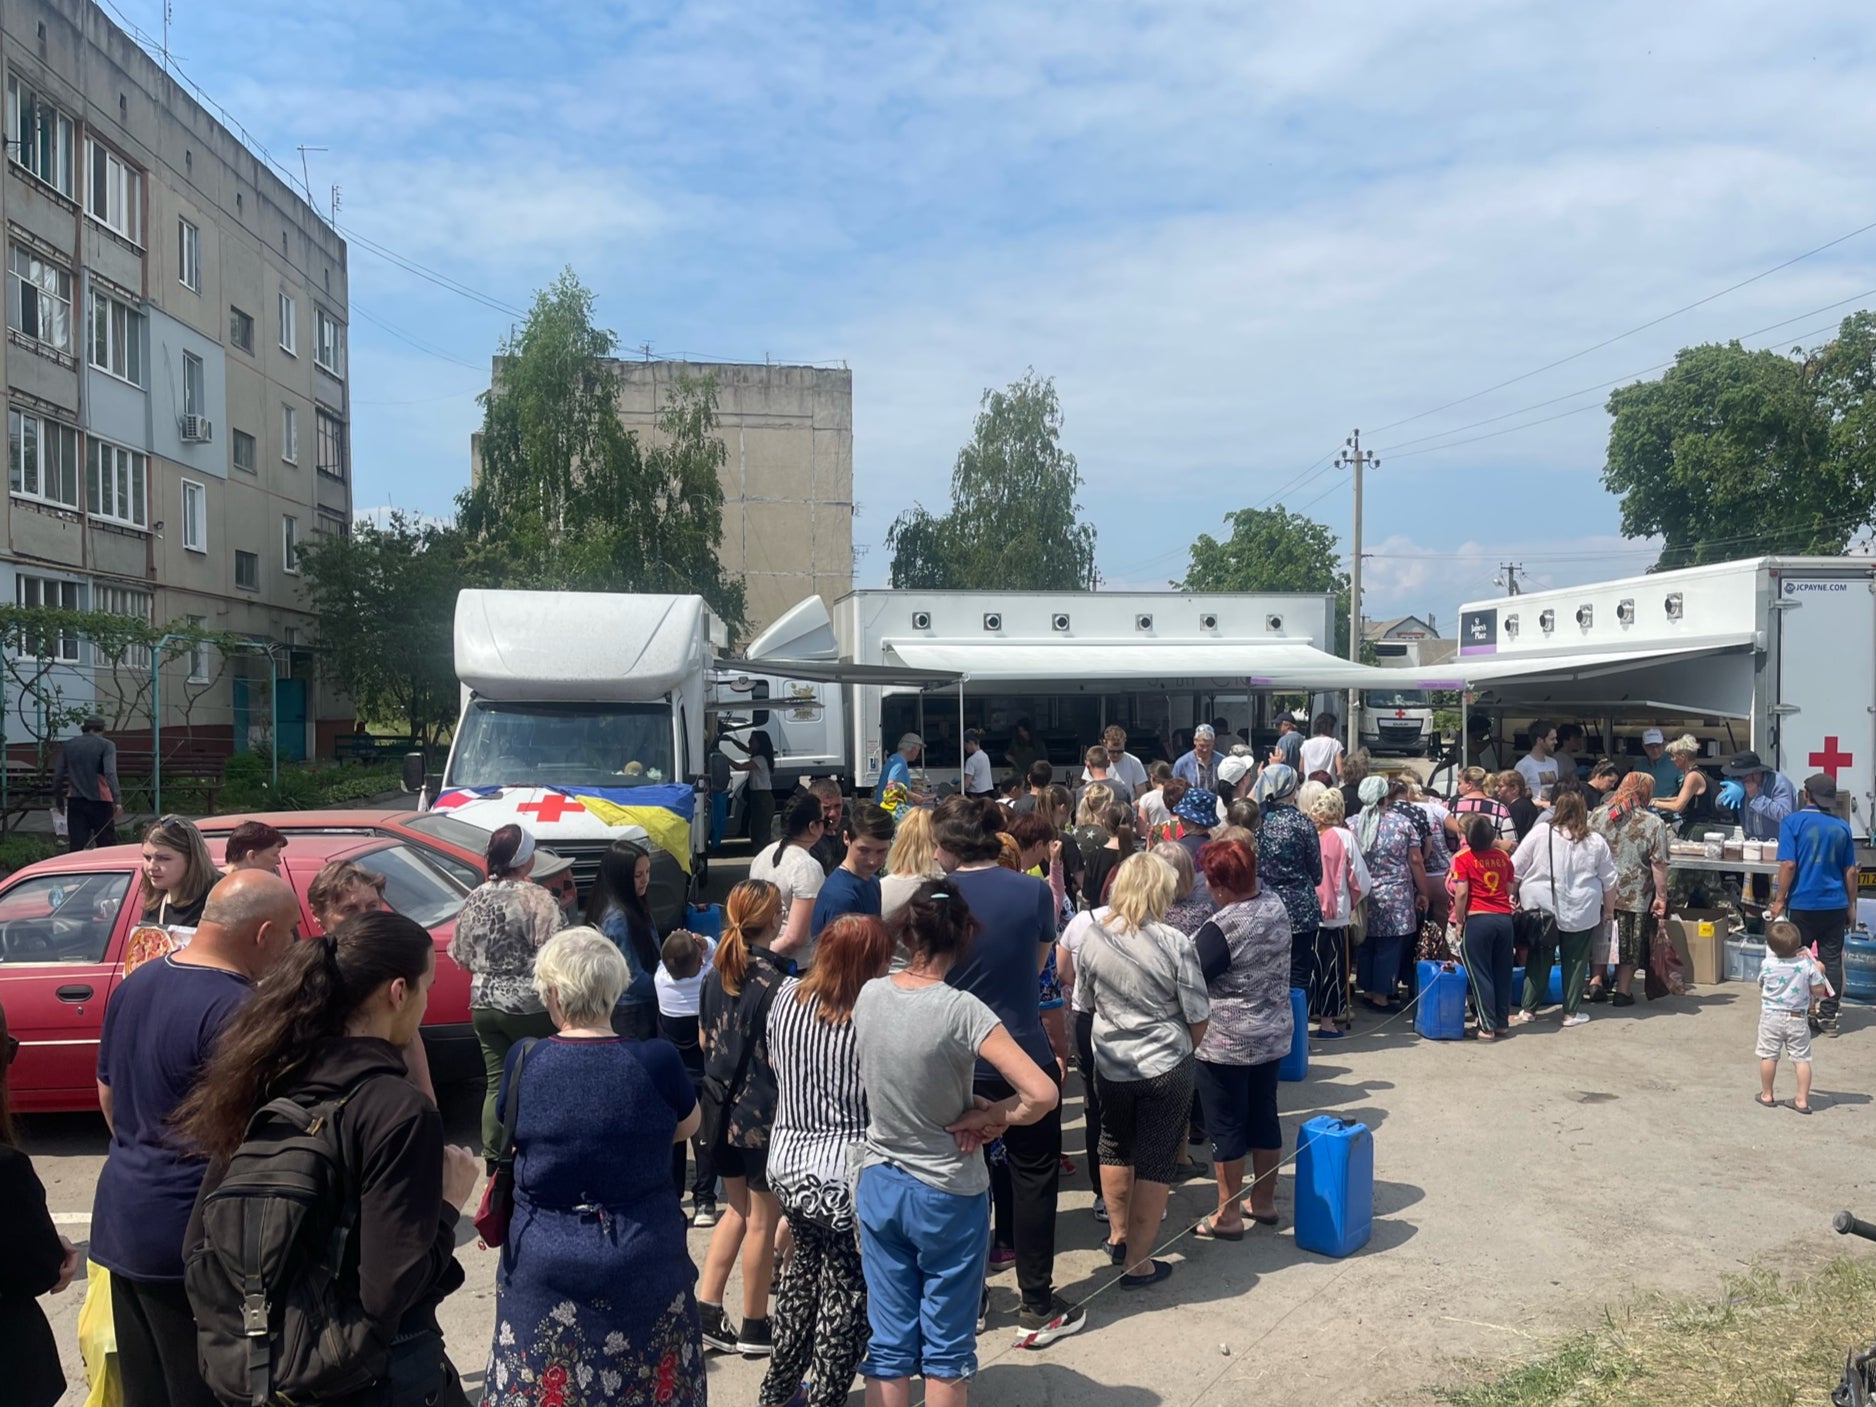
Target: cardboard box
(1700,934)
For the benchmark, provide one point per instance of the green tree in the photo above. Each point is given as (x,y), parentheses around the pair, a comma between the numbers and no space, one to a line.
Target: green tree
(1736,453)
(386,598)
(1272,549)
(566,498)
(1014,521)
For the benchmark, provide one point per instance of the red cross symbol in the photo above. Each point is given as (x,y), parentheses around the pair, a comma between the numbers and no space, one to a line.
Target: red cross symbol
(1400,713)
(551,807)
(1831,760)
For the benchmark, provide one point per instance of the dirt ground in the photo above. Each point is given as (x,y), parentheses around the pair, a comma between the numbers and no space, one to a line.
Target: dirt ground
(1520,1188)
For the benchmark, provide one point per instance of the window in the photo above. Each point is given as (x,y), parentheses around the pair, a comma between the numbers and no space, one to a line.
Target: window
(122,601)
(248,571)
(241,330)
(39,136)
(289,434)
(194,385)
(290,544)
(42,459)
(329,348)
(188,255)
(198,651)
(194,516)
(116,478)
(244,451)
(43,593)
(289,327)
(39,299)
(116,193)
(329,523)
(116,340)
(63,917)
(330,447)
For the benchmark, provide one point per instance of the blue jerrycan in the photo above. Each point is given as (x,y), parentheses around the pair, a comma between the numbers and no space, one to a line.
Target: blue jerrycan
(1334,1186)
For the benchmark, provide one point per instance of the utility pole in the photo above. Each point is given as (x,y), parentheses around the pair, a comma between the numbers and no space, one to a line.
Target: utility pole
(1354,457)
(1508,577)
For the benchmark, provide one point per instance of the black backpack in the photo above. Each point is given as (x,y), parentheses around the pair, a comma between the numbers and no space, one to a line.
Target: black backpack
(275,1320)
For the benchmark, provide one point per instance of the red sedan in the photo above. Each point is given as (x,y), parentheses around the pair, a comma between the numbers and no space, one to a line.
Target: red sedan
(453,845)
(64,923)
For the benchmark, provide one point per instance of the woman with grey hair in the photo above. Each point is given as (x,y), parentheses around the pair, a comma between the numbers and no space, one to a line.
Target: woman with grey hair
(1191,902)
(594,1278)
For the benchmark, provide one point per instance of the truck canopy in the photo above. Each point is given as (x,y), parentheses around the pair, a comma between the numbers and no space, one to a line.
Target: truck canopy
(579,646)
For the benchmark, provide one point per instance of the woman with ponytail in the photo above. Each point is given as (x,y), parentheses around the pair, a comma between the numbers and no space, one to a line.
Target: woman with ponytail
(790,866)
(329,1021)
(739,1096)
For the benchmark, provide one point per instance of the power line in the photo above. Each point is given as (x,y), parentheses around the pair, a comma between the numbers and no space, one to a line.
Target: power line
(406,338)
(423,271)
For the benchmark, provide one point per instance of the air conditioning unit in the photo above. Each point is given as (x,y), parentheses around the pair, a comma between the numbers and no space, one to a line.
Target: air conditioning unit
(993,620)
(197,429)
(921,620)
(1059,621)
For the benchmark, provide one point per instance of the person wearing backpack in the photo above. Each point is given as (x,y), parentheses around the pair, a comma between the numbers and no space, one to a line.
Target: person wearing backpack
(329,1296)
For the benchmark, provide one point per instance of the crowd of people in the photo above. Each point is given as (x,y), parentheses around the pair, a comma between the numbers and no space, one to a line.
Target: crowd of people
(859,1080)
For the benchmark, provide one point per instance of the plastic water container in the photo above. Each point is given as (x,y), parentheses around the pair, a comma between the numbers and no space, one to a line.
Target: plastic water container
(1334,1186)
(1859,968)
(704,919)
(1295,1065)
(1441,1014)
(1553,994)
(1744,958)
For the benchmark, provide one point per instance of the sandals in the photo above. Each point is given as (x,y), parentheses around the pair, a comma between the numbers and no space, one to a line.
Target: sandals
(1801,1108)
(1764,1103)
(1208,1230)
(1161,1271)
(1523,1018)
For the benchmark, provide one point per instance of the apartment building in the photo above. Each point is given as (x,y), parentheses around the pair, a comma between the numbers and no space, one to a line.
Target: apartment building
(175,373)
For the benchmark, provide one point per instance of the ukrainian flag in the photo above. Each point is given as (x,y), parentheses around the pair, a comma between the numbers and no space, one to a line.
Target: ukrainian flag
(664,811)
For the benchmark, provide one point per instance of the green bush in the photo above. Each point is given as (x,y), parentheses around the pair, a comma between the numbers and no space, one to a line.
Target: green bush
(22,848)
(247,784)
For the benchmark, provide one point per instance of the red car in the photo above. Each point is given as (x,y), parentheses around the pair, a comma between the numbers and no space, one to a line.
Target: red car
(64,923)
(453,845)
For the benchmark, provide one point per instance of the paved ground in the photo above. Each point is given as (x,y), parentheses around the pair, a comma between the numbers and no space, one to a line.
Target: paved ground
(1520,1189)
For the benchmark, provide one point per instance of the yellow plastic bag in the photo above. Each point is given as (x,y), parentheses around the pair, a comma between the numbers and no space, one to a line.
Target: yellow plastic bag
(97,1340)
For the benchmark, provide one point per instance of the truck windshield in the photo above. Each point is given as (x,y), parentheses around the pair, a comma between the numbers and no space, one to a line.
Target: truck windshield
(563,745)
(1395,698)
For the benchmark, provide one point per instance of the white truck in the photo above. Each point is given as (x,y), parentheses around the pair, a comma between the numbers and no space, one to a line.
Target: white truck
(583,720)
(1775,654)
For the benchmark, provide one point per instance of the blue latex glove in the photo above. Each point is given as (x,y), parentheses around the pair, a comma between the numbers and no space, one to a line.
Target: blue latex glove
(1732,793)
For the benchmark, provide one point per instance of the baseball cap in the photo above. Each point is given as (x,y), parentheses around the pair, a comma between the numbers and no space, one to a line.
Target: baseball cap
(1652,736)
(1231,770)
(907,740)
(1822,787)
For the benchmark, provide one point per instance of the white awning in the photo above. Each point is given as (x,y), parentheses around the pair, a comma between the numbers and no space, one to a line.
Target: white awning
(1277,664)
(1478,671)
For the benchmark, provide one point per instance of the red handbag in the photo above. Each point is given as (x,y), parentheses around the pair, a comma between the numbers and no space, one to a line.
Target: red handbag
(497,1207)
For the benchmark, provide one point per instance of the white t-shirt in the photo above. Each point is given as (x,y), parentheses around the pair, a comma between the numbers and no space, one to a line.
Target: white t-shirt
(1073,936)
(1128,768)
(977,774)
(799,876)
(1153,809)
(1540,777)
(1321,755)
(677,996)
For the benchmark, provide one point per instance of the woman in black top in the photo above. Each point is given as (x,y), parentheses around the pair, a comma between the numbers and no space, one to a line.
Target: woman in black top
(1517,799)
(177,874)
(34,1260)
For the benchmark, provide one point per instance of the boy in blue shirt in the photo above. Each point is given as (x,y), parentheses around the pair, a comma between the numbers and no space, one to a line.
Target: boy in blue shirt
(854,887)
(1817,880)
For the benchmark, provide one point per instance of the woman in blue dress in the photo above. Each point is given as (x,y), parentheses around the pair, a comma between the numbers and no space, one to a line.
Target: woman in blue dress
(594,1295)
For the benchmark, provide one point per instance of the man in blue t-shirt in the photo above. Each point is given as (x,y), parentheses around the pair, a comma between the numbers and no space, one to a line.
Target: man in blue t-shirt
(898,769)
(1817,879)
(159,1027)
(853,888)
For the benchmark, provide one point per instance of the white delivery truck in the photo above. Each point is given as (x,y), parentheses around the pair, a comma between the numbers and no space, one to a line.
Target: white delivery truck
(583,720)
(1775,654)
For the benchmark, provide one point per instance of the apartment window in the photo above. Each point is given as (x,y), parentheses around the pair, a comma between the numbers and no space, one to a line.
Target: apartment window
(198,650)
(241,330)
(122,601)
(116,192)
(42,459)
(244,451)
(43,593)
(194,516)
(331,446)
(194,385)
(289,327)
(290,544)
(289,434)
(116,340)
(329,523)
(329,346)
(39,299)
(188,255)
(248,571)
(39,136)
(116,478)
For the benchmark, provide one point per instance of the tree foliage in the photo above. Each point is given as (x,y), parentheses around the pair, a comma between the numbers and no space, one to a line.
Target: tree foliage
(386,598)
(1272,549)
(566,498)
(1736,453)
(1014,521)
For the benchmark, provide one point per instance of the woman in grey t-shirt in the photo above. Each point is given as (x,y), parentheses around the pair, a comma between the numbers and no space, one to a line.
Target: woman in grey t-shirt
(922,1197)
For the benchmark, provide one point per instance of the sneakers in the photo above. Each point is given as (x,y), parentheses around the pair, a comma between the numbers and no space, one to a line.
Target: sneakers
(983,1309)
(705,1214)
(1038,1328)
(1580,1019)
(1100,1211)
(754,1340)
(717,1332)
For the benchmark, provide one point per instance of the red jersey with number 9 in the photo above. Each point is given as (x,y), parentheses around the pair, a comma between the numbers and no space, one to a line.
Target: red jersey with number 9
(1488,878)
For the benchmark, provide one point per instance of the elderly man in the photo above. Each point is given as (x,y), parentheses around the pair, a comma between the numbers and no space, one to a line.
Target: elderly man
(898,769)
(1763,797)
(1659,765)
(1199,767)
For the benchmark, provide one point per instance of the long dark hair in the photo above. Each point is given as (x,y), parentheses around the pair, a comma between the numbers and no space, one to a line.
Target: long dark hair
(802,815)
(504,845)
(617,888)
(300,1005)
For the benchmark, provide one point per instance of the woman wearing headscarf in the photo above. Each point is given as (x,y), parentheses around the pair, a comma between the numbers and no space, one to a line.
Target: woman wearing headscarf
(1289,864)
(1391,847)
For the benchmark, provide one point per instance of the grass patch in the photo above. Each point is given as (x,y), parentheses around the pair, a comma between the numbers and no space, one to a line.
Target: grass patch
(1766,1342)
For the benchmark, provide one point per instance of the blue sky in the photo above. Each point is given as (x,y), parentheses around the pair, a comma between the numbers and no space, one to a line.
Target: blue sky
(1230,231)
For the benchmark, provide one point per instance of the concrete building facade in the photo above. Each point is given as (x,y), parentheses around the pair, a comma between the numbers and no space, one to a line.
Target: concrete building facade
(175,372)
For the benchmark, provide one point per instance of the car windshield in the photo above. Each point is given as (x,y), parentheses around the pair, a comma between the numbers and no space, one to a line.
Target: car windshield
(1395,698)
(413,886)
(562,745)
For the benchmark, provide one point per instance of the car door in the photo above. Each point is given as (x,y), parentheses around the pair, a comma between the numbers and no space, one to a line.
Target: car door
(60,935)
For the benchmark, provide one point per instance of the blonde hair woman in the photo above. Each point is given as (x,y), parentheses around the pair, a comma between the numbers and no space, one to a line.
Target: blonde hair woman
(1140,978)
(1692,799)
(911,861)
(1344,884)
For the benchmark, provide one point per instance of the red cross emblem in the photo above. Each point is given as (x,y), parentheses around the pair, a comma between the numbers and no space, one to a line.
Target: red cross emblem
(1830,759)
(551,807)
(1400,713)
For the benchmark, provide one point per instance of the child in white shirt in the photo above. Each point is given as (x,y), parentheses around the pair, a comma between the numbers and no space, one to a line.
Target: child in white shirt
(1789,982)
